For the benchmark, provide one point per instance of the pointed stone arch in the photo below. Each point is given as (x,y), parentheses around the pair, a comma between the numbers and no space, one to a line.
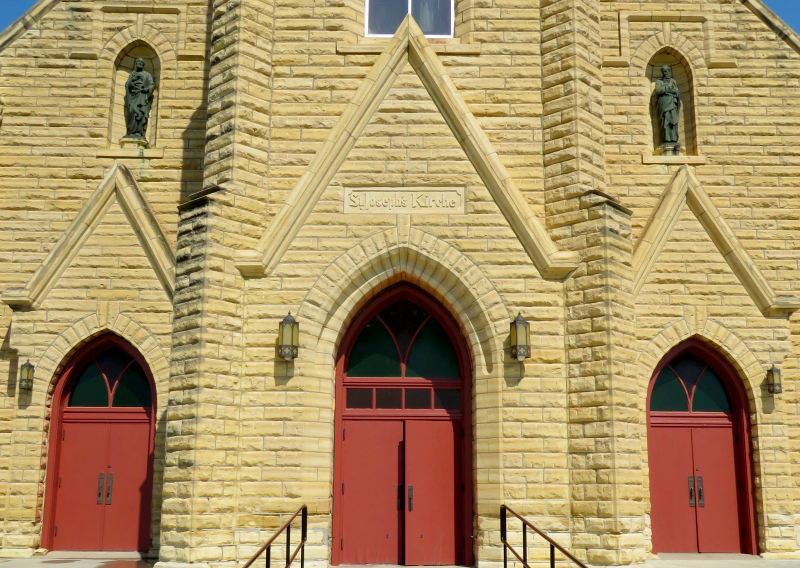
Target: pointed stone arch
(726,342)
(145,34)
(118,184)
(72,339)
(408,45)
(683,190)
(422,259)
(672,40)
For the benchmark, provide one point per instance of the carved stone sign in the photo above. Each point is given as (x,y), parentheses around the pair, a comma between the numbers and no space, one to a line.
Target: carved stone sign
(404,201)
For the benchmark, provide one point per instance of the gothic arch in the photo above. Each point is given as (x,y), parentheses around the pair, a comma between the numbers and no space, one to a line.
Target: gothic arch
(729,345)
(421,259)
(689,68)
(147,35)
(69,341)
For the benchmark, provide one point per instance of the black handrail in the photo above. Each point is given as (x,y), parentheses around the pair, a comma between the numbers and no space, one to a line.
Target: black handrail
(290,555)
(524,558)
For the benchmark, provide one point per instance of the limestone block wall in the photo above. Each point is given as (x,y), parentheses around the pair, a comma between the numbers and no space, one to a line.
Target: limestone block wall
(745,79)
(55,152)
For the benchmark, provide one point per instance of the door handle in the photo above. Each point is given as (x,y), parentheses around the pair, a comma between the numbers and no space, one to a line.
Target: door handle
(100,479)
(691,491)
(410,497)
(701,499)
(109,488)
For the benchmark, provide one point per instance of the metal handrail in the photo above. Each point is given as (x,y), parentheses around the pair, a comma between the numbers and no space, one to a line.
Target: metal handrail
(524,558)
(290,555)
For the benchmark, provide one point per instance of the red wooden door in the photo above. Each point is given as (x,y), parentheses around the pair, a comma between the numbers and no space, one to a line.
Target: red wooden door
(672,512)
(371,478)
(100,484)
(83,449)
(432,493)
(699,474)
(718,523)
(402,431)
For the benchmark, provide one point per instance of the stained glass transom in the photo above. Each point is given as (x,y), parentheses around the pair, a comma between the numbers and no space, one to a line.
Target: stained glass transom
(112,378)
(689,384)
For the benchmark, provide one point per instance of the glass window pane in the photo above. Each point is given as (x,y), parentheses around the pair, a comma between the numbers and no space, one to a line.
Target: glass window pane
(447,399)
(386,15)
(388,398)
(710,395)
(432,355)
(133,389)
(374,353)
(418,398)
(433,16)
(112,362)
(668,393)
(359,398)
(90,389)
(688,368)
(403,318)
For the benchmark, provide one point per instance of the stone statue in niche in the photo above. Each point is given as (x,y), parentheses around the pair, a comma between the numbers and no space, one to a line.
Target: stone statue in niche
(668,106)
(138,101)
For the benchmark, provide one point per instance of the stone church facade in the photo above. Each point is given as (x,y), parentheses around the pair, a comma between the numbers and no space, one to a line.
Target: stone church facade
(295,162)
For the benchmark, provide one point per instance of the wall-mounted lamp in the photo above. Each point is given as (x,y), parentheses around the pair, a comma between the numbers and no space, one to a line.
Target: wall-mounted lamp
(288,338)
(26,376)
(520,338)
(774,385)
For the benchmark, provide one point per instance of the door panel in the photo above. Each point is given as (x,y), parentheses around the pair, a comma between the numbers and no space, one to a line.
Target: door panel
(433,475)
(671,466)
(78,516)
(371,476)
(718,520)
(127,495)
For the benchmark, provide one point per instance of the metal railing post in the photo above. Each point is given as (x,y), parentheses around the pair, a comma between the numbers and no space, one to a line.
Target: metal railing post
(524,545)
(303,535)
(288,545)
(503,534)
(269,556)
(552,556)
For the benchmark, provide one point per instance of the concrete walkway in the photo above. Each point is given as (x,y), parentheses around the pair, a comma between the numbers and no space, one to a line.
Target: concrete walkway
(716,561)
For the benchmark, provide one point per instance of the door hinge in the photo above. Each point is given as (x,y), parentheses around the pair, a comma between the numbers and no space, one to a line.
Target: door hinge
(342,488)
(55,532)
(59,482)
(343,433)
(63,434)
(341,544)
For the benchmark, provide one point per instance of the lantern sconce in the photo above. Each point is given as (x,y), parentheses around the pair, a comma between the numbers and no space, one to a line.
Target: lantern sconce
(288,338)
(520,338)
(774,385)
(26,376)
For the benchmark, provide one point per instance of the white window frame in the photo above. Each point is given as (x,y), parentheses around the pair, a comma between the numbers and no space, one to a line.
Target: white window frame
(408,11)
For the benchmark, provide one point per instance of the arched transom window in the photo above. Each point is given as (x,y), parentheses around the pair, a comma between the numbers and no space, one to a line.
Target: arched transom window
(111,379)
(689,384)
(435,17)
(403,359)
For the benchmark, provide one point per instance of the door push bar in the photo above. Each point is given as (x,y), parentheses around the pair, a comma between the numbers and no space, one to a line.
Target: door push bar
(701,500)
(108,486)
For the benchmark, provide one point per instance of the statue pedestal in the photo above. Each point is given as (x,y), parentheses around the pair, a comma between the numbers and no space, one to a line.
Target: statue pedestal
(671,149)
(131,142)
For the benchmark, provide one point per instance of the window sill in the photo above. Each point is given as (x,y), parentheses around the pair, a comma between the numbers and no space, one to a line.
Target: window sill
(676,160)
(378,47)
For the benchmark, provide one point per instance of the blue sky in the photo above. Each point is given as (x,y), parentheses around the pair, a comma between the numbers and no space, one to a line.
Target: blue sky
(789,10)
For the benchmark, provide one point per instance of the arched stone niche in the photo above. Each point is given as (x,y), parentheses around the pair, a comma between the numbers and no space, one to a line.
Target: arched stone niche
(682,72)
(123,66)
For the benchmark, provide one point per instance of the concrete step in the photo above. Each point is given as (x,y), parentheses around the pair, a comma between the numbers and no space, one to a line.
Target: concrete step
(716,561)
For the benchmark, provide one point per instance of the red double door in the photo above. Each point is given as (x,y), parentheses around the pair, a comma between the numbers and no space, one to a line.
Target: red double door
(694,497)
(102,494)
(400,493)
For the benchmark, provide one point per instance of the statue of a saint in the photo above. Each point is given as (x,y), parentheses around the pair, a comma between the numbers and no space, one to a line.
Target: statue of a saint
(138,101)
(668,103)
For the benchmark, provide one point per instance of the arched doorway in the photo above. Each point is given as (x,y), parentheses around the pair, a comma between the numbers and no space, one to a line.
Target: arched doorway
(699,455)
(99,483)
(402,450)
